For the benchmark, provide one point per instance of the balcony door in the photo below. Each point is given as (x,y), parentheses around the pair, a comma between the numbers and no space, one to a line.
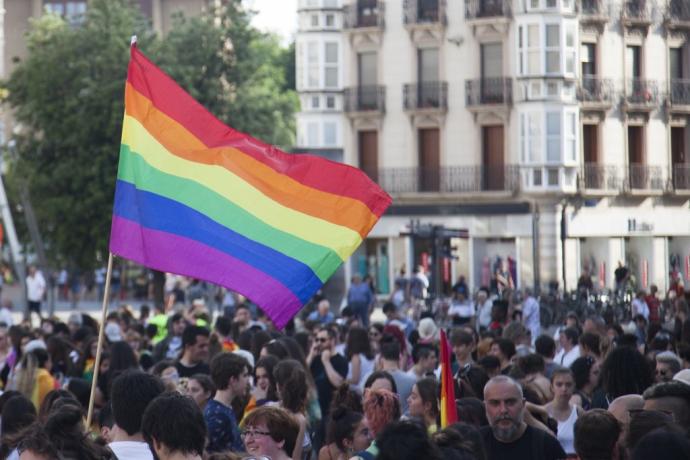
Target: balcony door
(368,144)
(428,89)
(681,169)
(636,161)
(493,168)
(429,159)
(367,79)
(492,73)
(594,178)
(679,88)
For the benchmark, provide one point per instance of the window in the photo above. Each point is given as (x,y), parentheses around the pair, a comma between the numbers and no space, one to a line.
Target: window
(491,60)
(312,65)
(330,3)
(552,50)
(312,134)
(315,102)
(330,20)
(367,69)
(570,135)
(428,64)
(588,56)
(330,133)
(570,50)
(553,137)
(530,130)
(72,11)
(315,20)
(330,102)
(331,65)
(528,50)
(632,62)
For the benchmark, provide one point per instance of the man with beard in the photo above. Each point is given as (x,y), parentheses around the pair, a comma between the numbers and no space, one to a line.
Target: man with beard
(508,436)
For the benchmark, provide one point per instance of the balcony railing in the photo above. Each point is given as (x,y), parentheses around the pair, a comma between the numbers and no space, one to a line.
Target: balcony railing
(426,95)
(450,179)
(678,11)
(636,12)
(681,176)
(605,178)
(640,92)
(424,12)
(679,93)
(365,99)
(482,9)
(593,9)
(644,177)
(487,91)
(365,13)
(595,90)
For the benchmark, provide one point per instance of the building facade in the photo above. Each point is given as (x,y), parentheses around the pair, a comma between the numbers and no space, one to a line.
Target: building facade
(16,14)
(553,131)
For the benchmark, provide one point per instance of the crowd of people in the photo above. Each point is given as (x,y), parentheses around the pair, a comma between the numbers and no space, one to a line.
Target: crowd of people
(178,382)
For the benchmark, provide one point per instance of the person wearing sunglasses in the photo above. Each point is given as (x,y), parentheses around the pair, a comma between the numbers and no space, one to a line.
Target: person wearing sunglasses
(271,432)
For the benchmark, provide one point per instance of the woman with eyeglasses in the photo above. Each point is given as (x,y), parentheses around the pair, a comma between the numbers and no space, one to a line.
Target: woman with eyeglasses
(586,373)
(271,432)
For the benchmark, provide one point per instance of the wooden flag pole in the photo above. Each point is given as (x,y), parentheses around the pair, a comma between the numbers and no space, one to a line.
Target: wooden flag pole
(101,333)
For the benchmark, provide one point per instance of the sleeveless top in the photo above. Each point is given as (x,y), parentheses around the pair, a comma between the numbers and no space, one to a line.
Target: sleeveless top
(566,431)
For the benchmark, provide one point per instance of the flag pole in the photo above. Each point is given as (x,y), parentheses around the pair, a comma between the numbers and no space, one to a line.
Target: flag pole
(101,333)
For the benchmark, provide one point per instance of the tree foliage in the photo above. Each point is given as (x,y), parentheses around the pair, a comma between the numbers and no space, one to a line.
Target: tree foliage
(67,96)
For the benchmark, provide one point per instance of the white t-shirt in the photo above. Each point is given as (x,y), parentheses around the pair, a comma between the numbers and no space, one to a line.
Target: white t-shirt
(566,359)
(639,307)
(131,450)
(365,369)
(35,287)
(530,316)
(6,316)
(462,309)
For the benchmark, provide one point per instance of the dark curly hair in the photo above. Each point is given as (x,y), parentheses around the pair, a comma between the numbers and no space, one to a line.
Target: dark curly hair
(625,371)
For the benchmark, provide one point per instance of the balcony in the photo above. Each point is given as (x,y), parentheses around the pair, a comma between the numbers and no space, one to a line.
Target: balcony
(677,15)
(450,179)
(641,95)
(636,14)
(420,12)
(595,93)
(365,100)
(426,96)
(488,93)
(480,10)
(594,12)
(678,100)
(600,179)
(365,14)
(644,177)
(681,177)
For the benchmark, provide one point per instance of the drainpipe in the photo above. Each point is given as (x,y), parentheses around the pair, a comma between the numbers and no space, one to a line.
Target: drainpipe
(564,234)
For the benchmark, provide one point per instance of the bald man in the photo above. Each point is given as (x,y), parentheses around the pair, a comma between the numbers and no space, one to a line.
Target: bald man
(620,408)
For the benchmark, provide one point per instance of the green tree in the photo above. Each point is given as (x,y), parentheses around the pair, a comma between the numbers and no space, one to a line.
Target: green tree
(68,97)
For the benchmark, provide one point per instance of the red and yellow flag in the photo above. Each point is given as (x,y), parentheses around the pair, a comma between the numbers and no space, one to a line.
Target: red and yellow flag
(449,413)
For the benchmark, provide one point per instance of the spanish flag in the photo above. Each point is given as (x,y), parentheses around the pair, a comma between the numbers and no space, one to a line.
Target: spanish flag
(449,413)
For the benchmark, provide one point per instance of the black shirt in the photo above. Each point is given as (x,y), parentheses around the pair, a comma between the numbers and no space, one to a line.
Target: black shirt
(186,371)
(323,385)
(534,444)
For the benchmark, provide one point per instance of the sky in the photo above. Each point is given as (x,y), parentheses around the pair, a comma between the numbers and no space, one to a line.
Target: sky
(279,16)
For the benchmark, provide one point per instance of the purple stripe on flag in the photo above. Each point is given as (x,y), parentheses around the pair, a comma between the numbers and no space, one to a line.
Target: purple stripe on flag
(171,253)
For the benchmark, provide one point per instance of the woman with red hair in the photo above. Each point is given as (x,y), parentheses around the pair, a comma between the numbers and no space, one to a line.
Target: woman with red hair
(381,407)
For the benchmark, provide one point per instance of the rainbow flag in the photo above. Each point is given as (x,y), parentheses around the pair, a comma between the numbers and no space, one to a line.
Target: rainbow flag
(449,412)
(197,198)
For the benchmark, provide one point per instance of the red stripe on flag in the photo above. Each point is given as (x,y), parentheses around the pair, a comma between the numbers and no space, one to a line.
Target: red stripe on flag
(449,412)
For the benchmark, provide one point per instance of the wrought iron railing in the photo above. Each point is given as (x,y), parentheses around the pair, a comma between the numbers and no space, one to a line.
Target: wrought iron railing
(480,9)
(488,91)
(639,91)
(426,95)
(681,176)
(678,10)
(595,176)
(644,177)
(450,179)
(679,93)
(364,13)
(595,90)
(365,99)
(593,8)
(424,12)
(636,11)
